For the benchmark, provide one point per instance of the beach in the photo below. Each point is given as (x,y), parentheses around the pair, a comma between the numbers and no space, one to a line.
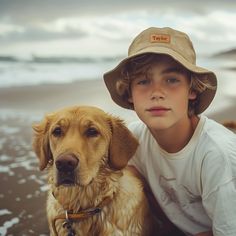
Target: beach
(23,186)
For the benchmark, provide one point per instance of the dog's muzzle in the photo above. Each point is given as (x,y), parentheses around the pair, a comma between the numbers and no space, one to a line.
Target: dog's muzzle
(66,165)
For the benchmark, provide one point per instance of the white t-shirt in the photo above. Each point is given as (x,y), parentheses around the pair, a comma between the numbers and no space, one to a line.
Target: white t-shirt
(195,187)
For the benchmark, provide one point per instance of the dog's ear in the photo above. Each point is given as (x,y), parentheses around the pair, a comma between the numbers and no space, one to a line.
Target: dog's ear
(122,146)
(41,142)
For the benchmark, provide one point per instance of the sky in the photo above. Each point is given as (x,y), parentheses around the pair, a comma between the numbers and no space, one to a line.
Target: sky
(105,28)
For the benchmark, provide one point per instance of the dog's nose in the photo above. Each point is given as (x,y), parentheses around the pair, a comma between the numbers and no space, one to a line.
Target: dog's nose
(66,162)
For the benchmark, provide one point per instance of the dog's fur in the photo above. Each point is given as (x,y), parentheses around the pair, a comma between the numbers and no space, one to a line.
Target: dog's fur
(98,146)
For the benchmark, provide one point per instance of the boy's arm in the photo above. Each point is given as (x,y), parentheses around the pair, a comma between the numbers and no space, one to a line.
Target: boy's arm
(219,191)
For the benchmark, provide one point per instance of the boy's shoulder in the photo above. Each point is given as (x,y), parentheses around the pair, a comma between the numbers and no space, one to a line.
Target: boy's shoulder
(216,131)
(217,150)
(216,138)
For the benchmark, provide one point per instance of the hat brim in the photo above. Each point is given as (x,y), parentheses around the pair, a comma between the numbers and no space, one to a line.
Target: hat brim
(205,98)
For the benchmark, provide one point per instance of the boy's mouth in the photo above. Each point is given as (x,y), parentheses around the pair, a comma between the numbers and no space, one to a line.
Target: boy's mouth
(158,111)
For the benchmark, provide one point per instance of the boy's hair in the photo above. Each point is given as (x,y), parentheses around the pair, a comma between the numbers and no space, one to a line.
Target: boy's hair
(140,65)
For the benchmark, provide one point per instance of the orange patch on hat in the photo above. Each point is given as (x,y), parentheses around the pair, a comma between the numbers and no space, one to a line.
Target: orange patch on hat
(160,38)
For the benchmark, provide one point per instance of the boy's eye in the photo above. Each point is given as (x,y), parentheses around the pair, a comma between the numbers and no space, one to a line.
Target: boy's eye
(172,80)
(143,82)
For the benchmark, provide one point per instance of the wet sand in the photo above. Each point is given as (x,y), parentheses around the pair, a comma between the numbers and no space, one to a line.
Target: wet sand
(23,195)
(23,186)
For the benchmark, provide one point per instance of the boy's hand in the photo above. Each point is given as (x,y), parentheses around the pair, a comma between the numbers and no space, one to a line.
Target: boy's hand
(208,233)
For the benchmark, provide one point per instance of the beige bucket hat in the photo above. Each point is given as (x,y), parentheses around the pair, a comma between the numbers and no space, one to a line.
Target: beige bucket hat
(162,41)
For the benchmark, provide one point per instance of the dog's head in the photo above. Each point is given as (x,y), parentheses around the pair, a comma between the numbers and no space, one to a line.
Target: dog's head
(77,141)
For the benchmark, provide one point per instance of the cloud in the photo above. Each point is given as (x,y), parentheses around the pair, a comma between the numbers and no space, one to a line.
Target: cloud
(212,32)
(19,33)
(33,11)
(109,27)
(118,27)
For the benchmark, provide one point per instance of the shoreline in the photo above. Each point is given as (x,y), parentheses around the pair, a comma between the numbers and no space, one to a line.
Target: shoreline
(44,98)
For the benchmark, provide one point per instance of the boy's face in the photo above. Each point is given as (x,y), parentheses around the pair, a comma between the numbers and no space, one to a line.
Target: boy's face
(160,97)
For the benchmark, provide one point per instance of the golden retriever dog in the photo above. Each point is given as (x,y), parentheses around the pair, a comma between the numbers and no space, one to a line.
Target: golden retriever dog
(86,151)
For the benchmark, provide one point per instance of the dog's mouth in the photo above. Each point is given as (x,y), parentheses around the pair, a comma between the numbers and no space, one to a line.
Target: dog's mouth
(66,179)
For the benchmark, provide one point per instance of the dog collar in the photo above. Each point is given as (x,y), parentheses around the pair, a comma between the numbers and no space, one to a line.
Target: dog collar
(70,217)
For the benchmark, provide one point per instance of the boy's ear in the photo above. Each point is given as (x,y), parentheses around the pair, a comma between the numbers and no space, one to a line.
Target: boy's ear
(192,94)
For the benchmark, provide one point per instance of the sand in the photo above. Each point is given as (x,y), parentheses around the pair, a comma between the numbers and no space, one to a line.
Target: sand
(45,98)
(23,186)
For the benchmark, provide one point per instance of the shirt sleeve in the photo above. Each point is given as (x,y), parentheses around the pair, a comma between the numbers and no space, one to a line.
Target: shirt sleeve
(219,192)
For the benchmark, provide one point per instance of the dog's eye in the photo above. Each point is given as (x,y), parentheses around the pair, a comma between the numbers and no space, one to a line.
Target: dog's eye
(57,132)
(91,132)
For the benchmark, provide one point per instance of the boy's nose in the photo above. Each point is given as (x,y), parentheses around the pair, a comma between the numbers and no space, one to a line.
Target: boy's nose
(157,92)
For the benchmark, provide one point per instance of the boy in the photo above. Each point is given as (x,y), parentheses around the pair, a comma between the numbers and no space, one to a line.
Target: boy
(188,160)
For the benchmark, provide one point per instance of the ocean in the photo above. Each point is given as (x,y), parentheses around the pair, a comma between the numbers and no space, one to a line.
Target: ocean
(19,72)
(38,70)
(55,70)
